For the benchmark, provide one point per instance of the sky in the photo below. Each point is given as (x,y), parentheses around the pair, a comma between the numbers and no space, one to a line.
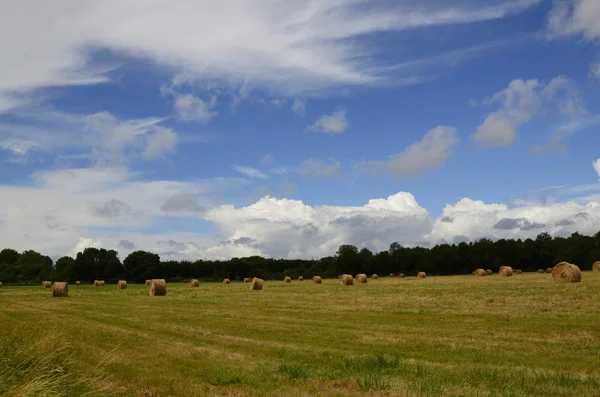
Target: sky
(217,129)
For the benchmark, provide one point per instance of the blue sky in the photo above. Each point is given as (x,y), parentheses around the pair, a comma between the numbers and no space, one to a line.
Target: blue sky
(219,129)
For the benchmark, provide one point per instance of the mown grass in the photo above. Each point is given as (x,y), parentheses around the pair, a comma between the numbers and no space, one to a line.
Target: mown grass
(441,336)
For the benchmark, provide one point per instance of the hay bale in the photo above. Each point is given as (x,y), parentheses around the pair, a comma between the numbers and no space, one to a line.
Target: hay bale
(78,282)
(565,272)
(518,271)
(480,273)
(122,284)
(317,280)
(401,275)
(60,290)
(549,269)
(488,272)
(194,283)
(300,278)
(98,283)
(0,284)
(374,276)
(392,275)
(158,287)
(541,271)
(422,275)
(257,284)
(596,267)
(226,281)
(148,282)
(247,280)
(505,271)
(46,284)
(361,278)
(287,279)
(347,279)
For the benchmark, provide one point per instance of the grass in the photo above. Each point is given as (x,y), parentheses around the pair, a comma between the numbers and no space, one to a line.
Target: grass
(441,336)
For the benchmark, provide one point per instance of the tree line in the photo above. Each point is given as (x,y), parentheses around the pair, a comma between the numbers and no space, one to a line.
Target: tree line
(529,255)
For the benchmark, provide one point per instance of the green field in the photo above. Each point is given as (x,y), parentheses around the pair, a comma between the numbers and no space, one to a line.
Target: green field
(441,336)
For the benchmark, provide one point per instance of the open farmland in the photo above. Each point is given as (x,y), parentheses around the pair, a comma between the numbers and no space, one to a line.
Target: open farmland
(440,336)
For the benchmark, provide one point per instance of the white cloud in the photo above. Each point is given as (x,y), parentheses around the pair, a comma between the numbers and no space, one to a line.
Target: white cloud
(595,70)
(597,167)
(421,157)
(575,17)
(267,159)
(326,169)
(83,244)
(251,172)
(520,102)
(335,123)
(282,45)
(299,106)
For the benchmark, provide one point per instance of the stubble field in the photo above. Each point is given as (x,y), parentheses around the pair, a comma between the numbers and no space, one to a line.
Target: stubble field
(440,336)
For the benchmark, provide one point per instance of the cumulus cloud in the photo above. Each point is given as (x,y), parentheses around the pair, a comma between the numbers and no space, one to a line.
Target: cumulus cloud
(576,17)
(520,102)
(83,244)
(334,123)
(126,245)
(597,167)
(421,157)
(281,45)
(326,169)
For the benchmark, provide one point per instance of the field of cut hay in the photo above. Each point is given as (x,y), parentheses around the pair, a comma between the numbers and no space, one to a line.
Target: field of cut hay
(516,336)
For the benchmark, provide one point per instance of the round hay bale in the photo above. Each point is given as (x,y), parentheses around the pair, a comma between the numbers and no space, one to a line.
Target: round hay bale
(541,271)
(361,278)
(287,279)
(317,280)
(422,275)
(98,283)
(247,280)
(392,275)
(226,281)
(257,284)
(60,290)
(347,279)
(0,284)
(148,282)
(78,282)
(401,275)
(194,283)
(549,269)
(565,272)
(505,271)
(46,284)
(300,278)
(596,267)
(480,273)
(374,276)
(158,287)
(488,272)
(518,271)
(122,284)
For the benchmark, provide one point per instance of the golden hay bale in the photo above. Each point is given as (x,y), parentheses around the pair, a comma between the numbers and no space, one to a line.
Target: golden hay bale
(317,280)
(549,269)
(287,279)
(60,289)
(505,271)
(422,275)
(596,267)
(122,284)
(401,275)
(347,279)
(361,278)
(518,271)
(0,284)
(46,284)
(480,272)
(98,283)
(489,272)
(540,270)
(148,282)
(392,275)
(194,283)
(226,281)
(77,282)
(374,276)
(247,280)
(300,278)
(566,273)
(257,284)
(158,287)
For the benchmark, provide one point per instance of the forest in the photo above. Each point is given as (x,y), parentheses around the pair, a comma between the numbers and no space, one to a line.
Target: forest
(31,267)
